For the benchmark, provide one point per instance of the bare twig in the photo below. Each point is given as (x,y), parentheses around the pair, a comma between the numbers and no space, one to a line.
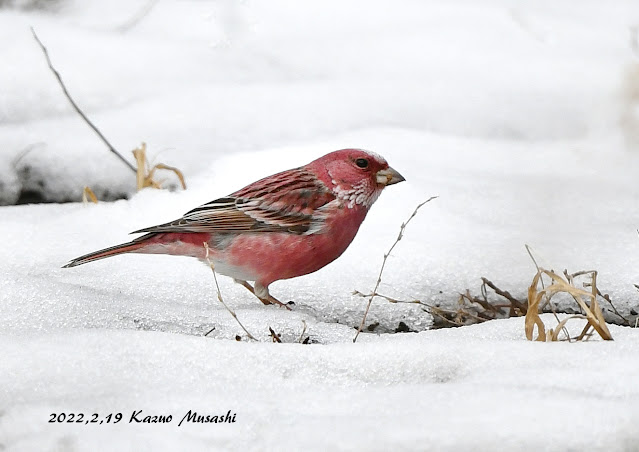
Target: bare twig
(138,16)
(23,153)
(379,278)
(219,294)
(515,303)
(614,309)
(483,301)
(274,336)
(301,339)
(75,106)
(529,250)
(444,314)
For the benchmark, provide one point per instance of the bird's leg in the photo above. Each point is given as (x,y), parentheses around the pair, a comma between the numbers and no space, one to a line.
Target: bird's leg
(261,293)
(250,289)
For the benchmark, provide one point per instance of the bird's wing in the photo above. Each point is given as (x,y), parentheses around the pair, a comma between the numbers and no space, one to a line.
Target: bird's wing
(285,202)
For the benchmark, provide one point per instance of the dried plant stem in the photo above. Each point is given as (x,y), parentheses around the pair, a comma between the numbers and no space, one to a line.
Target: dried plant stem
(274,336)
(301,339)
(552,306)
(434,310)
(381,270)
(219,294)
(88,195)
(137,18)
(514,303)
(593,313)
(145,174)
(75,106)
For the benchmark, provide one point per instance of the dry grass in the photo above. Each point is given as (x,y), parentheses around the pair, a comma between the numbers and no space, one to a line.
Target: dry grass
(145,175)
(494,303)
(587,301)
(471,309)
(145,172)
(88,195)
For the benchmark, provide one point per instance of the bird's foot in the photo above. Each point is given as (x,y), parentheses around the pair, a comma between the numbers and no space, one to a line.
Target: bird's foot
(272,300)
(262,294)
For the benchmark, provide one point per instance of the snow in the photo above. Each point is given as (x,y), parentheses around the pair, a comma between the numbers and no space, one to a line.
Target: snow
(523,118)
(479,387)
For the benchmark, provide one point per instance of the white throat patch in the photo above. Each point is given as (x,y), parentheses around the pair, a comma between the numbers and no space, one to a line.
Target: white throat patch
(356,195)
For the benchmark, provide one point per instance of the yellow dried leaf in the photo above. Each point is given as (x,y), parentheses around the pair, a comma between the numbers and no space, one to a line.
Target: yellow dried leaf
(88,195)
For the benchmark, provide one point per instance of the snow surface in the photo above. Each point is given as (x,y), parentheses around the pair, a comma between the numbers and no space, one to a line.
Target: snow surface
(523,118)
(480,388)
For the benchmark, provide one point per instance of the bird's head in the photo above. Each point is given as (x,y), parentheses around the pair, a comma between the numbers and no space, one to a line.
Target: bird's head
(355,175)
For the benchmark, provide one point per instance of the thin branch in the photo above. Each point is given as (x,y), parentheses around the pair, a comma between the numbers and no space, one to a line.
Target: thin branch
(137,17)
(379,278)
(529,250)
(504,293)
(23,153)
(614,309)
(483,302)
(75,106)
(434,310)
(274,336)
(301,339)
(219,294)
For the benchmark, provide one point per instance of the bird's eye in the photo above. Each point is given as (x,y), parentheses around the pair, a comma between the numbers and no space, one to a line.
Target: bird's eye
(362,163)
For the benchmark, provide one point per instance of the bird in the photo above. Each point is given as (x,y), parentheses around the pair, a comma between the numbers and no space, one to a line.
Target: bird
(282,226)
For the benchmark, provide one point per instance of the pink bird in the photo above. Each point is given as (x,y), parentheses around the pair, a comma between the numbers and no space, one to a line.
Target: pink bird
(283,226)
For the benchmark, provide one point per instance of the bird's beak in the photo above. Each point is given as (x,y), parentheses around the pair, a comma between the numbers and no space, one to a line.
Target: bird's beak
(389,176)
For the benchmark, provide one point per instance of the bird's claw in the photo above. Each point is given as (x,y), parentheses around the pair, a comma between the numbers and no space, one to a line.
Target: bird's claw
(269,299)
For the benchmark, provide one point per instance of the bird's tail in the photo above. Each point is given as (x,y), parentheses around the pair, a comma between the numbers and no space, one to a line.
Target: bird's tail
(128,247)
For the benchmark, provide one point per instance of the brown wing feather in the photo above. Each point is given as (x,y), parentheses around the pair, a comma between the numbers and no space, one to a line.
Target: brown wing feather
(287,201)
